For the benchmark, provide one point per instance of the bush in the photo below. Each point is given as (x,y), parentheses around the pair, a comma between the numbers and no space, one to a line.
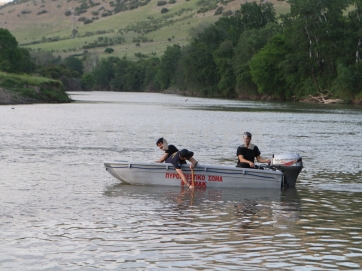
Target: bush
(227,13)
(161,3)
(68,13)
(42,12)
(164,10)
(218,11)
(172,1)
(88,21)
(109,50)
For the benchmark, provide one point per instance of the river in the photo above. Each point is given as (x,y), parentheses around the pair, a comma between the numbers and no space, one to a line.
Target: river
(60,209)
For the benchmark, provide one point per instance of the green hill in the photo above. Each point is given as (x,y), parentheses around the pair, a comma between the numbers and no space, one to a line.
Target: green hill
(69,27)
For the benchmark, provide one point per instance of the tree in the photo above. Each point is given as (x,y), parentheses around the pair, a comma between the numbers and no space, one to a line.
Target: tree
(10,56)
(255,16)
(74,64)
(103,73)
(151,68)
(318,30)
(250,42)
(44,58)
(266,71)
(197,65)
(26,64)
(166,74)
(87,81)
(223,60)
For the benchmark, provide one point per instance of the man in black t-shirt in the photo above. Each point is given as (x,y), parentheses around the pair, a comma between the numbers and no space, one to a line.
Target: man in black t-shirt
(247,153)
(179,158)
(168,149)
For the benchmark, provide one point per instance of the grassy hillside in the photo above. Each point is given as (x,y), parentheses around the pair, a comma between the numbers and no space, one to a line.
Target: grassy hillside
(68,27)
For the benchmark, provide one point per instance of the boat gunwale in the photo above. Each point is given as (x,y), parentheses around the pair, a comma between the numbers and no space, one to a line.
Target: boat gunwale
(200,168)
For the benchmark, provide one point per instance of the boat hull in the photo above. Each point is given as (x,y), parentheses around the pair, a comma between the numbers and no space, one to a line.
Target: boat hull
(164,174)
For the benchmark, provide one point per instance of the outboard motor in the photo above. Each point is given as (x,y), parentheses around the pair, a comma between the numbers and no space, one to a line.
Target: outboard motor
(290,164)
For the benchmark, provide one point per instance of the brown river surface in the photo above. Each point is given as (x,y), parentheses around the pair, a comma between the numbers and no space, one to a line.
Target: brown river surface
(60,209)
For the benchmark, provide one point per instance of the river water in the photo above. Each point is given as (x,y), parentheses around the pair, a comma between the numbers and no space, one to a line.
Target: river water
(60,209)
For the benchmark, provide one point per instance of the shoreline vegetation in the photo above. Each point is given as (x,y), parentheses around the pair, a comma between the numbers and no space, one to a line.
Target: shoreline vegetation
(27,89)
(322,98)
(311,54)
(33,90)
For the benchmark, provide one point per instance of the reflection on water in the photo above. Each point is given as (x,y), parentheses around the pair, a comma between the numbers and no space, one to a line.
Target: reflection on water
(61,210)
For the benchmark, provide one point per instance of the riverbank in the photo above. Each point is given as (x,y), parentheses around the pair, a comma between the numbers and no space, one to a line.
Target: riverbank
(321,98)
(26,89)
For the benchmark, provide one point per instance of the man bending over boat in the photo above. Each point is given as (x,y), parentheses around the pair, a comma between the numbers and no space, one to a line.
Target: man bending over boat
(247,153)
(179,158)
(168,149)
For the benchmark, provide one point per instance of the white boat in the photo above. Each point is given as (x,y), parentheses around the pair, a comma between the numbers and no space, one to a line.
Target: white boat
(164,174)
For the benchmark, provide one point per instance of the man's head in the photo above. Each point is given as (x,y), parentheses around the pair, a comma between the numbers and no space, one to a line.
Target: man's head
(185,154)
(247,138)
(162,144)
(247,134)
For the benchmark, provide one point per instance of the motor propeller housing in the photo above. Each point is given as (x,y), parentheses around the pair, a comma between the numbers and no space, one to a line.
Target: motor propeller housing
(290,164)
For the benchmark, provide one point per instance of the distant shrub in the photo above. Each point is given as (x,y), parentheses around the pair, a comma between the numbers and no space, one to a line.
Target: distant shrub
(140,55)
(219,11)
(109,50)
(161,3)
(172,1)
(203,10)
(42,12)
(68,13)
(88,21)
(81,19)
(227,13)
(106,13)
(164,10)
(25,11)
(120,7)
(133,6)
(95,13)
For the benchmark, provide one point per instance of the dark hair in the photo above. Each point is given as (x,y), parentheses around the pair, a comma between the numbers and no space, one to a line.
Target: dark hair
(247,134)
(160,140)
(186,154)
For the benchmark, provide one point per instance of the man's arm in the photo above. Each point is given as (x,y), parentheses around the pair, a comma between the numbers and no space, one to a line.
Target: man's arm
(193,162)
(183,178)
(262,160)
(163,158)
(243,160)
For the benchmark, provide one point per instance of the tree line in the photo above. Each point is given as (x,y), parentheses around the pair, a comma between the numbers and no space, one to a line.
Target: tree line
(315,48)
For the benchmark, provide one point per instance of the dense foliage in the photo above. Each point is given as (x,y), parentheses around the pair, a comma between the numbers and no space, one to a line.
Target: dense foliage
(316,48)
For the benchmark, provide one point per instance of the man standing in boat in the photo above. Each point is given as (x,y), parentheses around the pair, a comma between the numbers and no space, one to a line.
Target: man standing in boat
(168,149)
(179,158)
(247,153)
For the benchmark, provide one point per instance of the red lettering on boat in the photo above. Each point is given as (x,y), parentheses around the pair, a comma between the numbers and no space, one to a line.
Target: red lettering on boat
(197,177)
(214,178)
